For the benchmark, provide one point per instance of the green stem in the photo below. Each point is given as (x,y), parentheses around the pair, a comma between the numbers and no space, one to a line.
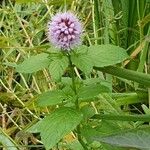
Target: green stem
(145,118)
(80,138)
(97,21)
(72,73)
(73,81)
(135,76)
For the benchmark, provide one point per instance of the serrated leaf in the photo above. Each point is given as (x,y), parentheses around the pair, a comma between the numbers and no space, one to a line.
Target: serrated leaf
(50,98)
(56,125)
(89,93)
(136,138)
(33,64)
(58,66)
(106,55)
(82,59)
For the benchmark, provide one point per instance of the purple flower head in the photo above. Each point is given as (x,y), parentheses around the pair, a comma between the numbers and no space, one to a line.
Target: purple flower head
(64,31)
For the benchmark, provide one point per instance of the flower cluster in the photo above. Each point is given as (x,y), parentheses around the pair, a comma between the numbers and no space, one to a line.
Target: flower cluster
(64,31)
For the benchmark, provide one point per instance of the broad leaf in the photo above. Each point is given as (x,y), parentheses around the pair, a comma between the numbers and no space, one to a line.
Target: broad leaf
(50,98)
(138,138)
(33,64)
(106,55)
(90,92)
(56,125)
(58,66)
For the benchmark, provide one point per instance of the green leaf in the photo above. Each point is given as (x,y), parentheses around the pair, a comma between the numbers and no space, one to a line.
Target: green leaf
(97,55)
(90,92)
(106,55)
(33,64)
(56,125)
(82,59)
(50,98)
(138,138)
(58,66)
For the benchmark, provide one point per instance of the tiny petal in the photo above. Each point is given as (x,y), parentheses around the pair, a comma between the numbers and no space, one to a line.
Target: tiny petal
(58,32)
(73,36)
(70,30)
(69,37)
(65,39)
(64,31)
(72,25)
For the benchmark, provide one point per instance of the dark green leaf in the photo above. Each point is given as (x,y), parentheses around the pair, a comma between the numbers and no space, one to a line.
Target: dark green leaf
(138,138)
(103,128)
(33,64)
(56,125)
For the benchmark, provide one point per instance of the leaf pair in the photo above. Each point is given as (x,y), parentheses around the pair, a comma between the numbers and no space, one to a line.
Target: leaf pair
(84,58)
(66,94)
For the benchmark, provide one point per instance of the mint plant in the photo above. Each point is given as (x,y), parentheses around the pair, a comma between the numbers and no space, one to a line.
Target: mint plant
(70,66)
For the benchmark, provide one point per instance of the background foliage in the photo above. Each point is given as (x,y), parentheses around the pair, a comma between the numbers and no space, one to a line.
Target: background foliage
(122,117)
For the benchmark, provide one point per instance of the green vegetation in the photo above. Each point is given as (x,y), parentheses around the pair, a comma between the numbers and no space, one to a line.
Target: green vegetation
(96,97)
